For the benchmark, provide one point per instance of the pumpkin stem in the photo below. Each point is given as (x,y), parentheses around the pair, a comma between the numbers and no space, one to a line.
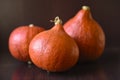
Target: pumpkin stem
(31,25)
(57,20)
(85,7)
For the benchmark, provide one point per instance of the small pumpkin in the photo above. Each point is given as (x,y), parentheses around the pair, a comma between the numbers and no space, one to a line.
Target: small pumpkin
(54,50)
(87,33)
(19,40)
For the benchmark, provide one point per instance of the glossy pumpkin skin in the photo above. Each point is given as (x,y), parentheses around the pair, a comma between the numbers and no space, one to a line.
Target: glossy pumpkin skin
(19,41)
(53,50)
(87,33)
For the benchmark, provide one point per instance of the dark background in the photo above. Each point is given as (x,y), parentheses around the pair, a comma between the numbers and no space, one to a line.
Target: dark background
(14,13)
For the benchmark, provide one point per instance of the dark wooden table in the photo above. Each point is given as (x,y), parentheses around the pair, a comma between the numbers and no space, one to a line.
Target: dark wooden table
(106,68)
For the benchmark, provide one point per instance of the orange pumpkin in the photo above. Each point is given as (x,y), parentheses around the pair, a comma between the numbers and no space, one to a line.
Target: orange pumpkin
(54,50)
(19,41)
(87,33)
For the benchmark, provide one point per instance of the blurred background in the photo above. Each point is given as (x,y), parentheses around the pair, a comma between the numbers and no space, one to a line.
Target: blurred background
(14,13)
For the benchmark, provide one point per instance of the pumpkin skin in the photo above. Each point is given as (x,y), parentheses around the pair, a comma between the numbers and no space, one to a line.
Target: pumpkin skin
(54,50)
(19,41)
(87,33)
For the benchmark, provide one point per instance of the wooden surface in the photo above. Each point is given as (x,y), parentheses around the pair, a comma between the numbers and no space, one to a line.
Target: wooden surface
(106,68)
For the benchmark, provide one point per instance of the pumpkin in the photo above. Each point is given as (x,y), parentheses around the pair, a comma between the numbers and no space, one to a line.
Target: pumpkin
(19,40)
(87,33)
(54,50)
